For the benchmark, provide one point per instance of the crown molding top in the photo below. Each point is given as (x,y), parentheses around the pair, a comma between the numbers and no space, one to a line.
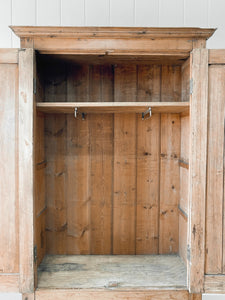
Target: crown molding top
(112,32)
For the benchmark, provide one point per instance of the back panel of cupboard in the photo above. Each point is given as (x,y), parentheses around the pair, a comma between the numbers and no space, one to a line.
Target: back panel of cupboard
(112,181)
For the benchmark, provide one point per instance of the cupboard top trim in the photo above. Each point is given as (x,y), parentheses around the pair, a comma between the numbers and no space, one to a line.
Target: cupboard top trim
(113,40)
(112,32)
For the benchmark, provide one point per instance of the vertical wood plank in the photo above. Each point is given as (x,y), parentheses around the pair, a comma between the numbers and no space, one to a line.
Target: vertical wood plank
(148,145)
(101,160)
(148,83)
(124,202)
(171,84)
(197,168)
(55,149)
(78,83)
(78,186)
(214,203)
(169,183)
(26,172)
(125,83)
(185,81)
(9,246)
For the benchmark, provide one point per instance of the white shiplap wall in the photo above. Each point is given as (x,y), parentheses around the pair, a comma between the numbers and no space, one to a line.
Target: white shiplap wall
(160,13)
(152,13)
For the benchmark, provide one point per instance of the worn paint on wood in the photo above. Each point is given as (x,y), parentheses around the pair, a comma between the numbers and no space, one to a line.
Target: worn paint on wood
(117,272)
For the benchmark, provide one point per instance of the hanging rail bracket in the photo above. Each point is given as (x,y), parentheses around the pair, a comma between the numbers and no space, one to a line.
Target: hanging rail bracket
(147,113)
(76,114)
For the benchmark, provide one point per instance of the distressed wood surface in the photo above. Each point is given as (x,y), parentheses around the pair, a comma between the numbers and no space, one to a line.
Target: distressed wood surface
(217,56)
(110,295)
(118,272)
(197,168)
(169,183)
(148,172)
(215,172)
(9,234)
(8,56)
(214,284)
(26,172)
(124,202)
(113,107)
(9,283)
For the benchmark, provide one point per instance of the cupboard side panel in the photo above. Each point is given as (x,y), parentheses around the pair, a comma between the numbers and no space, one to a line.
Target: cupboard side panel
(215,177)
(9,246)
(147,223)
(169,183)
(124,200)
(197,169)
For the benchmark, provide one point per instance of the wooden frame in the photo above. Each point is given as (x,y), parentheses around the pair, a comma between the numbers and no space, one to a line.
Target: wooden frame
(154,44)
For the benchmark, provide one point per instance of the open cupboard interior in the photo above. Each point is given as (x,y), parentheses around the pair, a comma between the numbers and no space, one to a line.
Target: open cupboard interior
(107,182)
(106,146)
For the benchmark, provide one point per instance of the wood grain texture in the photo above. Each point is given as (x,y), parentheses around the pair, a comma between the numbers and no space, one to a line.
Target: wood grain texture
(110,295)
(185,80)
(9,283)
(78,186)
(214,284)
(148,83)
(197,168)
(114,107)
(101,182)
(124,201)
(215,170)
(8,56)
(171,84)
(30,296)
(125,83)
(55,174)
(169,183)
(9,246)
(115,272)
(26,172)
(217,56)
(147,222)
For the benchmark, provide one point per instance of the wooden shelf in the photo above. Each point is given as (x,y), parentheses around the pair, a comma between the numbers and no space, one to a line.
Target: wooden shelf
(113,107)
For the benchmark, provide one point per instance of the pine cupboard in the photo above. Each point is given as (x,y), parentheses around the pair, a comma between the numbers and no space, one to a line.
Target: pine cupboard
(112,146)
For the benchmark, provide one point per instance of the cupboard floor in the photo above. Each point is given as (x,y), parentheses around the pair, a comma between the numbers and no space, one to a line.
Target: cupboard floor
(112,272)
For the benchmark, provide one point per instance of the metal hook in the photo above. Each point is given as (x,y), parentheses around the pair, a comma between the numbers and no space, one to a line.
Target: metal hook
(148,111)
(76,114)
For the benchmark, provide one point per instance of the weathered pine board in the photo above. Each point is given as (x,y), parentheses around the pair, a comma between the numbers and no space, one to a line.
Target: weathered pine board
(9,283)
(26,170)
(169,183)
(171,84)
(117,272)
(101,182)
(55,149)
(197,168)
(215,169)
(125,178)
(9,245)
(78,190)
(148,172)
(47,294)
(185,81)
